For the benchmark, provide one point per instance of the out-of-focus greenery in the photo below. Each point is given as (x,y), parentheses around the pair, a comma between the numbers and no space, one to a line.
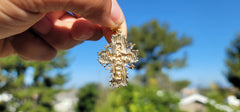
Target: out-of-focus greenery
(219,95)
(233,65)
(157,45)
(215,92)
(47,81)
(135,98)
(87,97)
(233,62)
(180,84)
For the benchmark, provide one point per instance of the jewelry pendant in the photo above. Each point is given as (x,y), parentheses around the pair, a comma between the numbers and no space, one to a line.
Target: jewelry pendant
(117,56)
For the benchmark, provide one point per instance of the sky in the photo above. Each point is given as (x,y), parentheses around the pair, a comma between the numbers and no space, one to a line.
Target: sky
(212,24)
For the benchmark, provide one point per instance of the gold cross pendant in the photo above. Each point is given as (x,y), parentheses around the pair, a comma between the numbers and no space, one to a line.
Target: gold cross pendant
(117,56)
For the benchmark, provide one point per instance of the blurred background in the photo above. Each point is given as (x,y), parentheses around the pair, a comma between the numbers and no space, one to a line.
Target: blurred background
(189,54)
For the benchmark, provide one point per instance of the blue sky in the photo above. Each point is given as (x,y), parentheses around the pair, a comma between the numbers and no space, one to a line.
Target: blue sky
(212,24)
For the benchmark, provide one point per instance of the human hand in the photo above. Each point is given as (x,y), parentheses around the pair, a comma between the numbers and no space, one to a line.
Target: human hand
(37,29)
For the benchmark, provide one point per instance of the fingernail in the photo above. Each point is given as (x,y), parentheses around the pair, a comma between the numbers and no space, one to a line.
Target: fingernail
(116,13)
(43,26)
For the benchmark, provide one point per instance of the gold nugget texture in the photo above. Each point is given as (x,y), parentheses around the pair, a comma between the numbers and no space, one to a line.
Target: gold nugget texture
(117,56)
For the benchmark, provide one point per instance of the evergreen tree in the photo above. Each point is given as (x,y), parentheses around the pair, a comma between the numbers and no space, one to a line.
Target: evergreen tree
(156,47)
(233,63)
(47,80)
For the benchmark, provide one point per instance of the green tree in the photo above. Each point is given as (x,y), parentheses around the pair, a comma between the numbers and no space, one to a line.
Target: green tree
(47,80)
(157,45)
(87,97)
(233,62)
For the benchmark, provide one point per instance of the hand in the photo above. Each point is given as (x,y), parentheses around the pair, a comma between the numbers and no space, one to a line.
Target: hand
(37,29)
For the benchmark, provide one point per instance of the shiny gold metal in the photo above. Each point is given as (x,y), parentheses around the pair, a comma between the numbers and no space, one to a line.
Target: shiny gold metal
(117,56)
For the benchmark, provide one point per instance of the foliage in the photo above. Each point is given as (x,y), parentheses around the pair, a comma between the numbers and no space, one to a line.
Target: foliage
(47,80)
(156,46)
(216,95)
(180,84)
(135,98)
(215,92)
(233,62)
(87,98)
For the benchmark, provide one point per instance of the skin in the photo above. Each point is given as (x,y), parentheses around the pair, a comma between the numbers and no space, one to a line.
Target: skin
(37,29)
